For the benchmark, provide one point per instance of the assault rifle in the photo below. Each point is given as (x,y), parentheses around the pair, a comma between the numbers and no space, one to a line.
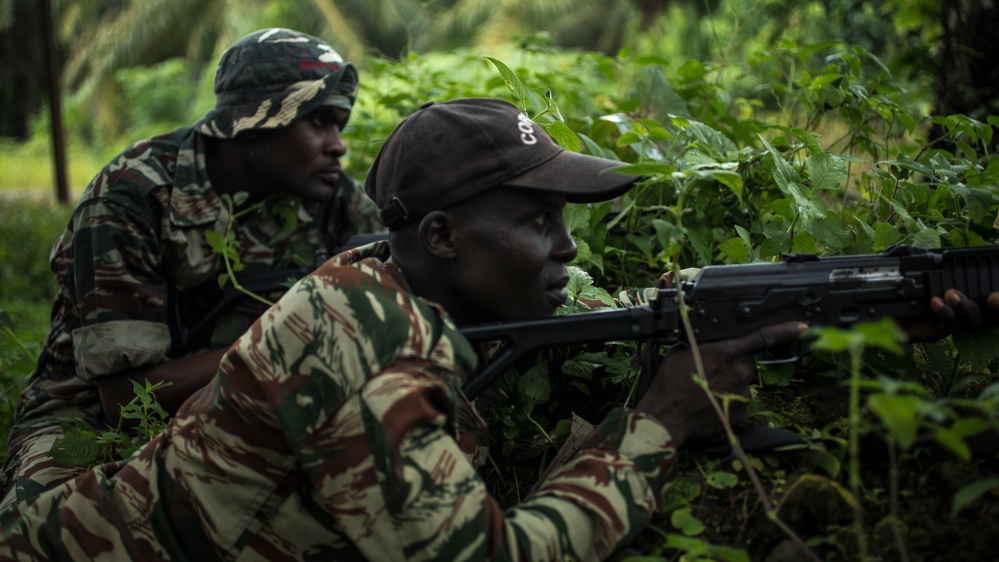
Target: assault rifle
(729,301)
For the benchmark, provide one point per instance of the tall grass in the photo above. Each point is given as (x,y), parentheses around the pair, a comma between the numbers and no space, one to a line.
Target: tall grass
(28,227)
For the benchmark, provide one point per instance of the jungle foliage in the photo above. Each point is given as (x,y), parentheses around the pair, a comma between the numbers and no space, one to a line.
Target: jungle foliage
(780,145)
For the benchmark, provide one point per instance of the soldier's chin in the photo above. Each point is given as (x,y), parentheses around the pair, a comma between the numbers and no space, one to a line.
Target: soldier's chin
(317,192)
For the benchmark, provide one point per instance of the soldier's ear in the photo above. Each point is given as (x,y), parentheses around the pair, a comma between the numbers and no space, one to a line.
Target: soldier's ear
(438,234)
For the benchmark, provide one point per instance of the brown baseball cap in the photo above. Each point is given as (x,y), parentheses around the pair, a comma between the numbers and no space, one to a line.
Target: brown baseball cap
(448,152)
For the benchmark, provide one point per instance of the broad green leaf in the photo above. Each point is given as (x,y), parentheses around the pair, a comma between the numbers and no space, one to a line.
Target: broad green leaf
(512,81)
(906,163)
(898,413)
(77,447)
(696,549)
(667,232)
(628,138)
(972,492)
(826,171)
(953,441)
(738,250)
(215,241)
(239,198)
(978,348)
(646,169)
(730,180)
(927,238)
(534,384)
(685,488)
(885,235)
(576,217)
(562,135)
(595,293)
(804,243)
(882,334)
(579,279)
(821,459)
(579,369)
(831,231)
(721,479)
(784,174)
(685,522)
(593,148)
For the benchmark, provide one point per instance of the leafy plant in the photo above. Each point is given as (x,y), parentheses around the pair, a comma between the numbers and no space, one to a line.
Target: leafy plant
(86,446)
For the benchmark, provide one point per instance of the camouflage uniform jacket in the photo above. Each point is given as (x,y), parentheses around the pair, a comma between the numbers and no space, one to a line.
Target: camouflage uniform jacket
(136,237)
(335,430)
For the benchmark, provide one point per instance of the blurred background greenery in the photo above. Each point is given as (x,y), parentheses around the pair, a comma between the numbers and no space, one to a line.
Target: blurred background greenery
(878,110)
(129,69)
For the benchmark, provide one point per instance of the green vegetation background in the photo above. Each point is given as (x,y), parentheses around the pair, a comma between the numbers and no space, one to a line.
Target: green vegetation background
(769,127)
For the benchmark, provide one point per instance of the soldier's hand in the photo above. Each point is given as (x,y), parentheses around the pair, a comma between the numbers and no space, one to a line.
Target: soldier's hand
(683,407)
(954,312)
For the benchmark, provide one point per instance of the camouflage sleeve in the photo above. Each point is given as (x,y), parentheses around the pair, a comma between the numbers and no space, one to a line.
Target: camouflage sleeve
(121,296)
(407,491)
(373,425)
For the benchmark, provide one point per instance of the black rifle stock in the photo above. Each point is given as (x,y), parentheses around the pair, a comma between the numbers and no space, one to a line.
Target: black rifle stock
(729,301)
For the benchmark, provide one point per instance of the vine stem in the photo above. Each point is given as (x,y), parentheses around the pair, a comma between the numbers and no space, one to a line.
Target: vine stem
(733,440)
(233,215)
(856,361)
(722,411)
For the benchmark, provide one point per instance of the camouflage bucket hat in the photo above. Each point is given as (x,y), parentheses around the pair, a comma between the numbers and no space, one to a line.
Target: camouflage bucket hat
(271,77)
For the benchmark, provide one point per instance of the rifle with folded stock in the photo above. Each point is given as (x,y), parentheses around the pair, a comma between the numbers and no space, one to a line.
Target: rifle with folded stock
(728,301)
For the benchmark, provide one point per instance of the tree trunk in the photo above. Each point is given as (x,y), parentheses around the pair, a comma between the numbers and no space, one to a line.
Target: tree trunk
(968,71)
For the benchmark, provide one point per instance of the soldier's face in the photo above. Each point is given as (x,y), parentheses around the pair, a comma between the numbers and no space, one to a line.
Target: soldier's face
(513,249)
(302,159)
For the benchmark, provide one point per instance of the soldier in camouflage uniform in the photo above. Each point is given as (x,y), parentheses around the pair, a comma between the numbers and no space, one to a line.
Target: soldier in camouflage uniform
(134,261)
(336,428)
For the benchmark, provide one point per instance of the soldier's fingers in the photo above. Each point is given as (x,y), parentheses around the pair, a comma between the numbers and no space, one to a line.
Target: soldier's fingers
(945,313)
(772,337)
(966,309)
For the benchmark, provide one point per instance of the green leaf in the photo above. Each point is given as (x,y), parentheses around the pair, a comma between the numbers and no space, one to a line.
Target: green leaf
(534,383)
(215,241)
(927,238)
(885,235)
(721,480)
(883,334)
(562,135)
(629,137)
(512,81)
(77,447)
(579,279)
(647,169)
(953,441)
(972,492)
(696,549)
(822,459)
(978,348)
(735,251)
(578,369)
(595,293)
(826,171)
(239,198)
(784,174)
(898,413)
(685,522)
